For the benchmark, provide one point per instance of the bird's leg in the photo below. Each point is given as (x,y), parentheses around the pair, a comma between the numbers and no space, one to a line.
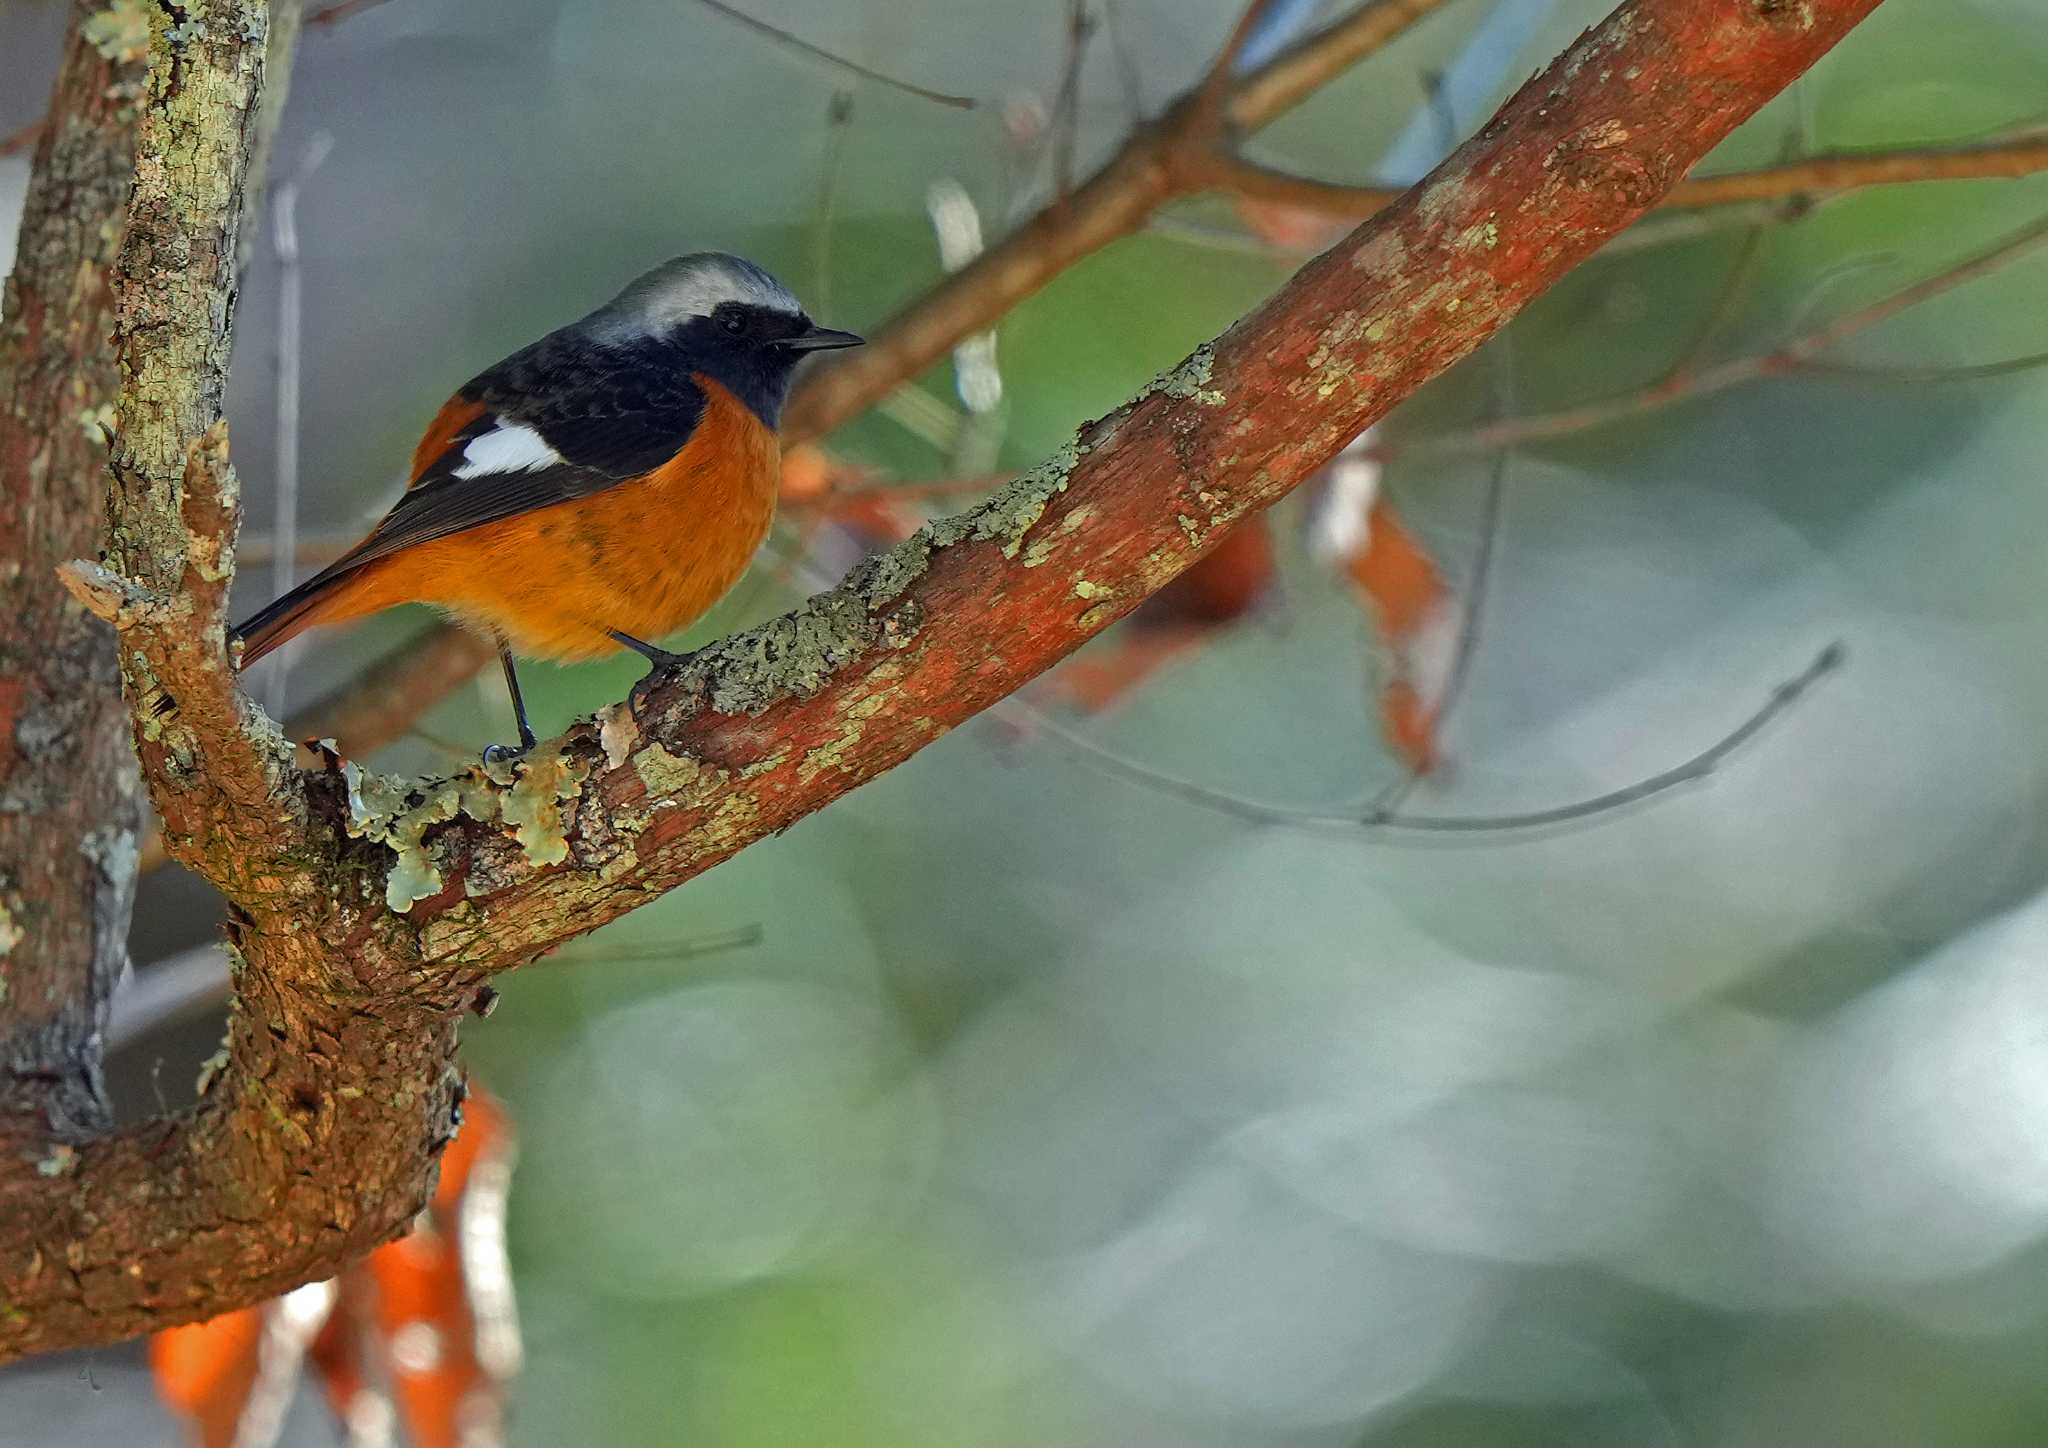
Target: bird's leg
(497,753)
(657,659)
(660,658)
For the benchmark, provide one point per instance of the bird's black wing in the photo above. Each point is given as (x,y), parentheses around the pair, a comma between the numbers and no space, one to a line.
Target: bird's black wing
(562,419)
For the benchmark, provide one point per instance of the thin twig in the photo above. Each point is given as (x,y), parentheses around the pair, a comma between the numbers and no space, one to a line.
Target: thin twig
(1066,110)
(1126,62)
(1734,288)
(797,42)
(1216,82)
(1473,597)
(284,216)
(825,210)
(21,138)
(1253,811)
(1963,372)
(1306,67)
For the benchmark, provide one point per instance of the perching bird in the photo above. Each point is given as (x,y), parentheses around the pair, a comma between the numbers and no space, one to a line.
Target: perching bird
(596,490)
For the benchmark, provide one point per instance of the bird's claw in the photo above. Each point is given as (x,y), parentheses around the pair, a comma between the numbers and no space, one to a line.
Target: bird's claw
(505,753)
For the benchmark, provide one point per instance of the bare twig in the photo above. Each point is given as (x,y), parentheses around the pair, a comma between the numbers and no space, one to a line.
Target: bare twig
(1209,95)
(21,138)
(1126,62)
(1066,110)
(1373,819)
(1961,372)
(854,67)
(284,230)
(825,210)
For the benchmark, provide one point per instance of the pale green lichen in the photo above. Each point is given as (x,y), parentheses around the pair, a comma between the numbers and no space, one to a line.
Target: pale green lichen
(792,656)
(383,809)
(1483,237)
(547,779)
(1091,591)
(664,774)
(830,755)
(1190,380)
(120,32)
(10,936)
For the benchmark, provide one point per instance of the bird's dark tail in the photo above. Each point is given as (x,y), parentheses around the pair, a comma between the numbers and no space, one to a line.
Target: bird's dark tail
(323,598)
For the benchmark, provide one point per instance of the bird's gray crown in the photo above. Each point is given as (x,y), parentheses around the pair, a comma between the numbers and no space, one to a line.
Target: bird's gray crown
(687,287)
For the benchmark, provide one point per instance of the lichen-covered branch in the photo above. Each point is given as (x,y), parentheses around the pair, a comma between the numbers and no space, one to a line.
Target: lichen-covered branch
(69,797)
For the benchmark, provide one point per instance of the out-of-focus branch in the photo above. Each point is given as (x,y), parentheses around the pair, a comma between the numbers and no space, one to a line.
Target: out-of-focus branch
(796,42)
(1814,176)
(1796,354)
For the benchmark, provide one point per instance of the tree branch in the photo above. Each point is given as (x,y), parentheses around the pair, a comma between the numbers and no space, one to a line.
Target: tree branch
(1825,175)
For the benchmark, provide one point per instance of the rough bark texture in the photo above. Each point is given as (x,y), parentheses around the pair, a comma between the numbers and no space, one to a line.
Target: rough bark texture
(366,910)
(313,1139)
(69,794)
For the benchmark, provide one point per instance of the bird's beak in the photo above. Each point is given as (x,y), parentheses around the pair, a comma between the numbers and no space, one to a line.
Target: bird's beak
(823,339)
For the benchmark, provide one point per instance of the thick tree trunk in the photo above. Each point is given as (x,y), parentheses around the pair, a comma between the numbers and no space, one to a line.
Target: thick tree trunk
(69,794)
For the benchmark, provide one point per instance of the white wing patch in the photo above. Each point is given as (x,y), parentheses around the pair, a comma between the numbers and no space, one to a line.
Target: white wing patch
(509,447)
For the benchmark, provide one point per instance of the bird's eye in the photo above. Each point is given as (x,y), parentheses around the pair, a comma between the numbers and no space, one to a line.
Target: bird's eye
(733,323)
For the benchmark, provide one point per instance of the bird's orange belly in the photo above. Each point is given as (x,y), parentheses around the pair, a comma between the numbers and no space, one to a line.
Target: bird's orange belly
(645,558)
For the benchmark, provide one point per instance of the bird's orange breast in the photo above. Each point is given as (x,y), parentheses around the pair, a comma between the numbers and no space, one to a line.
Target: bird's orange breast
(645,557)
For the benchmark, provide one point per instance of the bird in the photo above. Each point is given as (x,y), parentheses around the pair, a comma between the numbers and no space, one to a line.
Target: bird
(594,491)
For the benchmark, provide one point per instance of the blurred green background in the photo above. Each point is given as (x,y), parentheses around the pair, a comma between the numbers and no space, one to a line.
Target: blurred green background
(1046,1108)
